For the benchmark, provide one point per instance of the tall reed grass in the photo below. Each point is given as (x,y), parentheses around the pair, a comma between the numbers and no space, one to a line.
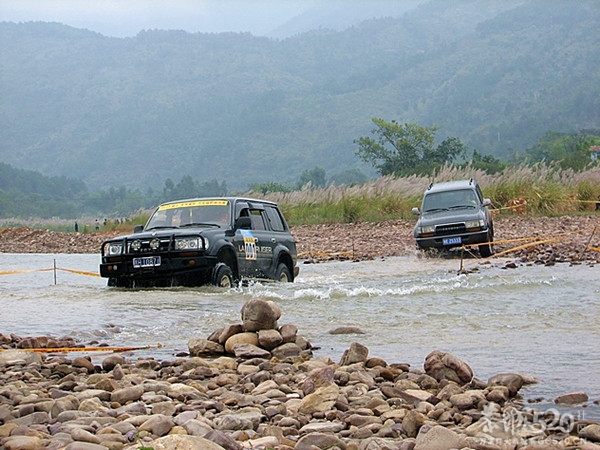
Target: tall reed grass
(546,190)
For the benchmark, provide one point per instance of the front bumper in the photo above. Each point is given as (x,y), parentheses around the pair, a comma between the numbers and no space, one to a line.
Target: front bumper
(478,237)
(187,268)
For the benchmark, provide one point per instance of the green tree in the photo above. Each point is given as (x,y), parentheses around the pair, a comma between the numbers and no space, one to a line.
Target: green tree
(406,149)
(569,150)
(211,189)
(487,163)
(186,188)
(169,189)
(315,176)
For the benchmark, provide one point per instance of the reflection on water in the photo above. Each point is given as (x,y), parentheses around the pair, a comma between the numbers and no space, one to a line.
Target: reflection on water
(536,320)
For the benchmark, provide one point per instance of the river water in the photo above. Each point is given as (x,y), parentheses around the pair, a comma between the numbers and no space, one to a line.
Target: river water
(542,321)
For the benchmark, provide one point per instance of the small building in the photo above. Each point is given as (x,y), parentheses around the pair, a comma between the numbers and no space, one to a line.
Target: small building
(595,152)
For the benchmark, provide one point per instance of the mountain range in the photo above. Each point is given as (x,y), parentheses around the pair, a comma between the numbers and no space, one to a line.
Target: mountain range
(245,109)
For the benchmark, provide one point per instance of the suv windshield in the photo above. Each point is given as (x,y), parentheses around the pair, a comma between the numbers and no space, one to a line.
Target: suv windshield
(442,201)
(187,214)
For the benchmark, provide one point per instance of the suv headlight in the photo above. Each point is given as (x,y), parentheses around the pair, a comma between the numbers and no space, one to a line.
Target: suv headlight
(429,229)
(189,243)
(113,248)
(470,224)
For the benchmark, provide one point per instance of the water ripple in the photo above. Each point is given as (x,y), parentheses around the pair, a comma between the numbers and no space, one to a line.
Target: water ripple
(537,320)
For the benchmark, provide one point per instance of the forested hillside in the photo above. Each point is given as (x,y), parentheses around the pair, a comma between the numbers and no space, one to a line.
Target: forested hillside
(241,109)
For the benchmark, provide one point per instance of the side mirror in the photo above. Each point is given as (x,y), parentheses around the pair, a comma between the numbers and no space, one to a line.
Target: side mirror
(243,223)
(486,202)
(416,211)
(138,228)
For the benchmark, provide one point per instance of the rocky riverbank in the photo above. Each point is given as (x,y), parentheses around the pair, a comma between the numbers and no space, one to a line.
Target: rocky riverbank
(256,385)
(540,240)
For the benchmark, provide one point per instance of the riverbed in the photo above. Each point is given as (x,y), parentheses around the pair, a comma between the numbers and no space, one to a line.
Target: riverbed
(533,319)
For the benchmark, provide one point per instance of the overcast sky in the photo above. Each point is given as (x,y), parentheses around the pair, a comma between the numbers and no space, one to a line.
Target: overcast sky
(122,18)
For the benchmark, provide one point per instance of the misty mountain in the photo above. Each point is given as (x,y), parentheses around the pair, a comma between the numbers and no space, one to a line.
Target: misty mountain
(338,15)
(245,109)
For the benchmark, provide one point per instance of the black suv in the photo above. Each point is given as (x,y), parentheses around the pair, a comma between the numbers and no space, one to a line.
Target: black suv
(453,214)
(202,241)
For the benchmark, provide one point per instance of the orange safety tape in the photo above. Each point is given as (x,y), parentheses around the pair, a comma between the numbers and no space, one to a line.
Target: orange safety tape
(12,272)
(79,272)
(542,239)
(530,244)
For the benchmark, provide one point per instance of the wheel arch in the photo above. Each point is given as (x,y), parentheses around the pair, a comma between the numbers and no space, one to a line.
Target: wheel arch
(226,255)
(285,258)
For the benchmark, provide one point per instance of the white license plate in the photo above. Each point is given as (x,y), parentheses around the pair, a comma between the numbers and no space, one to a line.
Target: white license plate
(452,241)
(151,261)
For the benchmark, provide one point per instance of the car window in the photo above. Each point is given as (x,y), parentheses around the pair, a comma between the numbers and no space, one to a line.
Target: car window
(187,213)
(433,202)
(256,217)
(465,197)
(275,219)
(449,199)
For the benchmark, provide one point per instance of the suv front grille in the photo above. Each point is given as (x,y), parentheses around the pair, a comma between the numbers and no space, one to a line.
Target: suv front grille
(452,228)
(145,246)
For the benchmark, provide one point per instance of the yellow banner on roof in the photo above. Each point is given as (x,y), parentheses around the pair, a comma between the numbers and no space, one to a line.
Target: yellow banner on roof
(191,204)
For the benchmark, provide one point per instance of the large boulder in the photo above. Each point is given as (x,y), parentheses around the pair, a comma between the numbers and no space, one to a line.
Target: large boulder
(512,381)
(591,432)
(572,398)
(17,357)
(445,366)
(357,353)
(437,438)
(269,339)
(204,347)
(240,338)
(321,400)
(259,314)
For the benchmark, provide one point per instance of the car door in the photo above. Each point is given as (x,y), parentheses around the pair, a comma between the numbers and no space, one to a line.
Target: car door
(263,241)
(253,246)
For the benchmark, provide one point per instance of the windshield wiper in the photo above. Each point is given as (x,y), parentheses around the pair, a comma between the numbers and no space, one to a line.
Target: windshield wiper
(436,209)
(461,206)
(200,224)
(159,227)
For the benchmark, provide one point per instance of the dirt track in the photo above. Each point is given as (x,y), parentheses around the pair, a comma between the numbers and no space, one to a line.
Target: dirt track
(559,239)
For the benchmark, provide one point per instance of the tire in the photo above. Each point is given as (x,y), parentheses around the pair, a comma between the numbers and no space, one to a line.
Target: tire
(487,250)
(222,276)
(282,274)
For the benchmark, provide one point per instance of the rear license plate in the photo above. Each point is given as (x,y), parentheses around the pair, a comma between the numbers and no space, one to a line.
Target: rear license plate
(151,261)
(452,241)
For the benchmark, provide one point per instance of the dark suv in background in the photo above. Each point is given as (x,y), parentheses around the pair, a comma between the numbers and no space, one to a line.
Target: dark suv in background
(202,241)
(453,214)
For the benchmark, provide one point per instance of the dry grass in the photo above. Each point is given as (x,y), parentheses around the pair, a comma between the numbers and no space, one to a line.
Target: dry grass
(545,190)
(542,189)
